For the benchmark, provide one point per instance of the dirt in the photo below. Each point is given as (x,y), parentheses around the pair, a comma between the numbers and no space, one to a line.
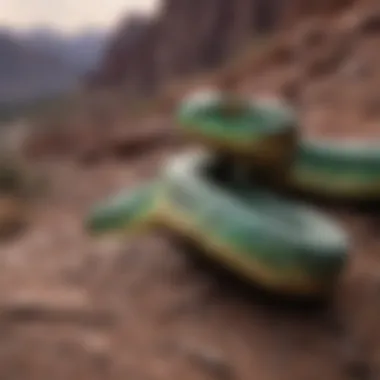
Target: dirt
(72,306)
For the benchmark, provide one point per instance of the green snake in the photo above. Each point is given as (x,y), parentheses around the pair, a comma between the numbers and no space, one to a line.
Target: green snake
(349,171)
(284,245)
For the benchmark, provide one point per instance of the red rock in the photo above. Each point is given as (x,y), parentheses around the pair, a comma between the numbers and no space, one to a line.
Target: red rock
(219,29)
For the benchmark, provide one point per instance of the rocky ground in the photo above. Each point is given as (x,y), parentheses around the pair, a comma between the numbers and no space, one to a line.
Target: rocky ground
(79,308)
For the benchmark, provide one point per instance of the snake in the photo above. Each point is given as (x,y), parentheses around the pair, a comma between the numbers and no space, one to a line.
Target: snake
(267,129)
(282,244)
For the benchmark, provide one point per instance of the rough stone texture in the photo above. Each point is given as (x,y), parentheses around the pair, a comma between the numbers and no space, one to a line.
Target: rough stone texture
(218,29)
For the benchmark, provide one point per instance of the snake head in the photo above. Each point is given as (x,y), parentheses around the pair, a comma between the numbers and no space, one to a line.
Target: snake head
(121,212)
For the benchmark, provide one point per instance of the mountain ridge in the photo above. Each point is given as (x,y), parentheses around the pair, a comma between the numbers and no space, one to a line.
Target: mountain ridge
(43,62)
(219,30)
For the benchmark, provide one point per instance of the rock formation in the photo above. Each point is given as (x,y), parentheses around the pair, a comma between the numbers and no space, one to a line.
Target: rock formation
(189,36)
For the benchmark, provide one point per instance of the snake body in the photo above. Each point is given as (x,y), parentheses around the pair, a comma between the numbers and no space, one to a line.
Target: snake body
(349,171)
(282,244)
(267,133)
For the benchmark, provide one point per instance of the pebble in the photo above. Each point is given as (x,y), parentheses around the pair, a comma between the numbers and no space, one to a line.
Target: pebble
(211,361)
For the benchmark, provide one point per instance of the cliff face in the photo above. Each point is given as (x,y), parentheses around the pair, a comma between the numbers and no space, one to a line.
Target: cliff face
(192,35)
(131,35)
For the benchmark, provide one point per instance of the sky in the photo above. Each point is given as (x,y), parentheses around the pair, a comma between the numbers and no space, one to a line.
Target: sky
(69,15)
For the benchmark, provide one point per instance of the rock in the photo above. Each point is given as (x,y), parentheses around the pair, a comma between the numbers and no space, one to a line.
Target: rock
(54,308)
(162,50)
(312,35)
(99,349)
(13,217)
(356,364)
(327,60)
(281,53)
(358,369)
(357,70)
(291,90)
(371,107)
(210,360)
(370,24)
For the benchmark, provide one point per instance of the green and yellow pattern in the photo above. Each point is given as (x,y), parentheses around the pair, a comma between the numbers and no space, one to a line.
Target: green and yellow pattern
(283,245)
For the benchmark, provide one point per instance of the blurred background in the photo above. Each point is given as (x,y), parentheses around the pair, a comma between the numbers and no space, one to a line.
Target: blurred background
(87,90)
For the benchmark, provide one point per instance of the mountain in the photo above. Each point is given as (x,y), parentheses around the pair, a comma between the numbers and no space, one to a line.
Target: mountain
(81,50)
(27,74)
(128,35)
(43,62)
(189,36)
